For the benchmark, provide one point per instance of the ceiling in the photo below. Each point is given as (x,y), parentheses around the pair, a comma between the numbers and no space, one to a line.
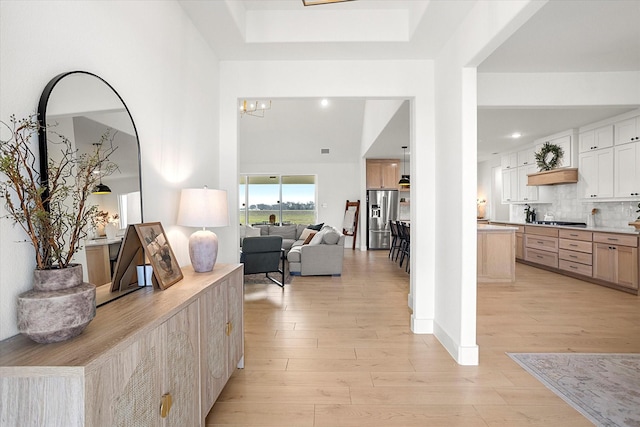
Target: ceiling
(564,36)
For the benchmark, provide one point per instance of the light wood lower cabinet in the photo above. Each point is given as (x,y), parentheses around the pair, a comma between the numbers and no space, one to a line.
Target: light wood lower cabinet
(496,255)
(152,358)
(616,264)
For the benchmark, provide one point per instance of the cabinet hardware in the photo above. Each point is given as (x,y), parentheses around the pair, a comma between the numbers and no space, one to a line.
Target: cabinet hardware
(573,235)
(573,266)
(165,404)
(573,256)
(540,256)
(229,328)
(542,243)
(573,244)
(613,239)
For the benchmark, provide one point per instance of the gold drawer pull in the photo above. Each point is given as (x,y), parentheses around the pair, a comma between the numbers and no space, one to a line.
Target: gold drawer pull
(229,328)
(165,405)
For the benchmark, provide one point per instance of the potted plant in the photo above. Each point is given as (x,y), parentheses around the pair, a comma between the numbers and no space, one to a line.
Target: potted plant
(636,223)
(54,213)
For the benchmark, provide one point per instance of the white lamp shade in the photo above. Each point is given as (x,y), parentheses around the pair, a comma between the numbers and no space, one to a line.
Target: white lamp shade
(203,207)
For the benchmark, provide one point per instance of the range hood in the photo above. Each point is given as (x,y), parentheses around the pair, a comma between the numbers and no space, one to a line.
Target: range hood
(553,177)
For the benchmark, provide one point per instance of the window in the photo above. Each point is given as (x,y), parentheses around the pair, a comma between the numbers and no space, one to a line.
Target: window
(278,199)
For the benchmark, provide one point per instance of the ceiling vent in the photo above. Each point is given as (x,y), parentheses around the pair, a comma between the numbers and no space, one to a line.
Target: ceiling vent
(324,151)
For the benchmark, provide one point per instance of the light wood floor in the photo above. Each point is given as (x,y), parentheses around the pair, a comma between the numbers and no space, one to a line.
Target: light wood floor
(337,351)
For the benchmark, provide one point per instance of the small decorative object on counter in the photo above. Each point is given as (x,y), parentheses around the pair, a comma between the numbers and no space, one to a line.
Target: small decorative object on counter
(636,223)
(549,157)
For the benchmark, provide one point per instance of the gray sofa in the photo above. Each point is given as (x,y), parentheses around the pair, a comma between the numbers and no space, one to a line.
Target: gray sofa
(322,255)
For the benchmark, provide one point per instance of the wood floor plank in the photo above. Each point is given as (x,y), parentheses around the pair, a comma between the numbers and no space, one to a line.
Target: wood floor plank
(338,351)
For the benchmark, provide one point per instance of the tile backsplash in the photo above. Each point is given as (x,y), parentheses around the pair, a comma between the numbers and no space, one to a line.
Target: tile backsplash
(566,206)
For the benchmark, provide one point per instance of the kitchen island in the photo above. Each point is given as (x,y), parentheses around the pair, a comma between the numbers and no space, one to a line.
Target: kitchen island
(496,253)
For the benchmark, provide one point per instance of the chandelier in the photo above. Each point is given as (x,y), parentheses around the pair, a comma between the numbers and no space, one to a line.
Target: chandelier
(254,108)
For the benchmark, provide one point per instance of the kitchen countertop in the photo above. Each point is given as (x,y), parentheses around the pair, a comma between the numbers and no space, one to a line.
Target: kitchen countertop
(490,228)
(626,230)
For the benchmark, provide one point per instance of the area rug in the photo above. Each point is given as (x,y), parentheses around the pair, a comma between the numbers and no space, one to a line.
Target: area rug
(259,278)
(605,388)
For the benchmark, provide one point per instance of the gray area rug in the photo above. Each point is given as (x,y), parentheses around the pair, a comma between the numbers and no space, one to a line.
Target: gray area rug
(260,278)
(605,388)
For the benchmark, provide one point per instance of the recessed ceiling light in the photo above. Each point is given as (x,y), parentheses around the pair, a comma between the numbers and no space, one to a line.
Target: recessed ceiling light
(516,135)
(324,102)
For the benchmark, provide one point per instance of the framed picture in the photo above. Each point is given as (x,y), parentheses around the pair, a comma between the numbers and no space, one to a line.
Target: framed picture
(166,270)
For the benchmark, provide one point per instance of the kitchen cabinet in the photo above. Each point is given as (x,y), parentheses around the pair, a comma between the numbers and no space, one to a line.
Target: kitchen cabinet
(496,254)
(527,157)
(596,139)
(575,251)
(615,259)
(541,245)
(510,185)
(527,193)
(627,170)
(627,131)
(383,174)
(596,174)
(509,161)
(145,359)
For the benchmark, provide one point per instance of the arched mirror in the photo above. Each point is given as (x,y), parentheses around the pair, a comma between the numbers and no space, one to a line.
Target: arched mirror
(83,107)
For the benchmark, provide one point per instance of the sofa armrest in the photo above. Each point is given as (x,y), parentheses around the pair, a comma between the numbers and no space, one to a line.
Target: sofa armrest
(321,259)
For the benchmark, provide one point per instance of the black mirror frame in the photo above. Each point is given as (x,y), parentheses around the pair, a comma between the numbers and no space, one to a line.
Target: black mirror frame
(42,134)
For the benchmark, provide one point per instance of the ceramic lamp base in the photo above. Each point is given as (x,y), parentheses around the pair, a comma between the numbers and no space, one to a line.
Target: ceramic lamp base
(203,250)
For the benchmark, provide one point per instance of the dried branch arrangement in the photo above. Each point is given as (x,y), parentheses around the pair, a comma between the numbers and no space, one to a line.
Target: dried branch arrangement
(53,212)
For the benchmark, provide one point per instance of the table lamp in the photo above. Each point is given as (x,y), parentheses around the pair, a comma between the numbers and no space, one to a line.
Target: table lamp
(202,207)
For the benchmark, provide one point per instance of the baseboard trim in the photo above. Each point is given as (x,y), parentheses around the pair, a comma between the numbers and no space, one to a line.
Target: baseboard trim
(421,326)
(463,355)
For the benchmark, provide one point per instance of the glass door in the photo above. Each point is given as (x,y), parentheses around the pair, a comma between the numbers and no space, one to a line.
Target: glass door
(298,199)
(263,199)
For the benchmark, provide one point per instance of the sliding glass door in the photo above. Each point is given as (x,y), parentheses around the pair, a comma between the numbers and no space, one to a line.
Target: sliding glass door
(277,199)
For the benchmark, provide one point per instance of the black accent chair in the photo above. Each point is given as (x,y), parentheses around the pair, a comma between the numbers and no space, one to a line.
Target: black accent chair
(263,254)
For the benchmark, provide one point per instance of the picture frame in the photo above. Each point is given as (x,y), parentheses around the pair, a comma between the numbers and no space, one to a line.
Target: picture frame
(166,270)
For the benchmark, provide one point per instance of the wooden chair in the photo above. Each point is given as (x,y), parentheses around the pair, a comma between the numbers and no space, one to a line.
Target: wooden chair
(263,254)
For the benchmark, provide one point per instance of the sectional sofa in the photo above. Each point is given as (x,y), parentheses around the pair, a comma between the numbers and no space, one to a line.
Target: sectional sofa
(312,250)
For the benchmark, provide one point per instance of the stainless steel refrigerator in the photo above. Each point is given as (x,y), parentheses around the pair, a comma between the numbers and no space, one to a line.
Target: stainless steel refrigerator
(382,206)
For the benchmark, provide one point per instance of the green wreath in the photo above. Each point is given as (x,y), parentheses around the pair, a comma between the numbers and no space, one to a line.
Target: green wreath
(549,156)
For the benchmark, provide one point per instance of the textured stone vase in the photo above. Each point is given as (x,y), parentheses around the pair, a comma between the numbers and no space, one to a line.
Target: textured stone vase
(58,307)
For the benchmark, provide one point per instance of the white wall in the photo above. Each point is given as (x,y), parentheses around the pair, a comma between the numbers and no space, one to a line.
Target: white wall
(486,27)
(167,75)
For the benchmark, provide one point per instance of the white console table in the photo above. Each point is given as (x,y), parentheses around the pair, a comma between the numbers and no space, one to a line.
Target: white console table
(150,358)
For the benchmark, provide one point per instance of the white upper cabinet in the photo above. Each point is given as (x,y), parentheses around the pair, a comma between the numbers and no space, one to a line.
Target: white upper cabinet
(627,170)
(527,157)
(627,131)
(509,161)
(596,139)
(510,185)
(596,174)
(527,193)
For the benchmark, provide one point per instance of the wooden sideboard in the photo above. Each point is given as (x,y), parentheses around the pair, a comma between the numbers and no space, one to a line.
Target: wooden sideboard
(156,358)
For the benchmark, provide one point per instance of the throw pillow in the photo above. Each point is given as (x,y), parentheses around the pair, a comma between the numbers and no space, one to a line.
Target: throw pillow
(316,227)
(286,231)
(251,231)
(306,233)
(309,237)
(331,237)
(317,238)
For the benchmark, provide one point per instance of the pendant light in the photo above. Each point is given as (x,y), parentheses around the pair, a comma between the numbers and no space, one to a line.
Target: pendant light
(100,188)
(404,180)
